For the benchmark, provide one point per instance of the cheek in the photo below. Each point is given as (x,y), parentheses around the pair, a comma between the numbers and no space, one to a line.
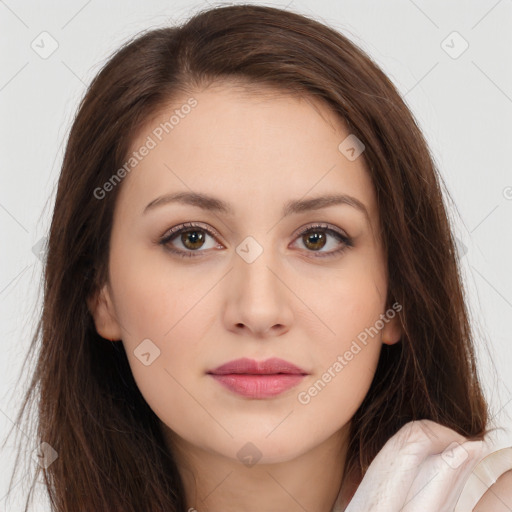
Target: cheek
(345,368)
(158,308)
(349,305)
(348,354)
(161,341)
(153,298)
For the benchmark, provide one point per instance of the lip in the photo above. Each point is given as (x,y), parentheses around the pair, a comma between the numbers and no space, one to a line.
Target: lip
(273,365)
(254,379)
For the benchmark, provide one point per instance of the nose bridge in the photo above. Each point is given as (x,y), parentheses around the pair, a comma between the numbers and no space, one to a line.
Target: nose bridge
(257,264)
(258,298)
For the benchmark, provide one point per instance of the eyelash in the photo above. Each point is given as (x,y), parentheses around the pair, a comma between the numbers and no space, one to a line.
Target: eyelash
(190,226)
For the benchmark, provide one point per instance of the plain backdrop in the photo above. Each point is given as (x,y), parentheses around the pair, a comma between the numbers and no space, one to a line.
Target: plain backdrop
(451,61)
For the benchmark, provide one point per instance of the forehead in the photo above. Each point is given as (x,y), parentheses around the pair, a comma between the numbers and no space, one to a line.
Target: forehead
(254,145)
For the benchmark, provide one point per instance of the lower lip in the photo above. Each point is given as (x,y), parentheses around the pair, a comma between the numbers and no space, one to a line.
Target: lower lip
(259,386)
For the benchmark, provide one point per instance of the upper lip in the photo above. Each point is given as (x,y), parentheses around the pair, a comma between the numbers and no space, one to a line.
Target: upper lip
(273,365)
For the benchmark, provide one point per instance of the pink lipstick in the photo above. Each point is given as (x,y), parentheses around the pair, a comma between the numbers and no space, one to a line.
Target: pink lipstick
(254,379)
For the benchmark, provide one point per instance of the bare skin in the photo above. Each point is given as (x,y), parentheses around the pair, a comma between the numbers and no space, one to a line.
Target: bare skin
(498,498)
(255,153)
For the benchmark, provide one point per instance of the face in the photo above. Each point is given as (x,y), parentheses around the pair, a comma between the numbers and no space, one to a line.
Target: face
(264,277)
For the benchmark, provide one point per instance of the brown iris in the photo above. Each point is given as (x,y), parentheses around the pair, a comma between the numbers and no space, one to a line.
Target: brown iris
(312,239)
(192,239)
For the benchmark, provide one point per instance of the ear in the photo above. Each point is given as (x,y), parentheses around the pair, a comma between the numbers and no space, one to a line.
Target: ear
(102,311)
(392,330)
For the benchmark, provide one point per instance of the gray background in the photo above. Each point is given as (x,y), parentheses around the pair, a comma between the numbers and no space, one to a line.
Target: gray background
(462,102)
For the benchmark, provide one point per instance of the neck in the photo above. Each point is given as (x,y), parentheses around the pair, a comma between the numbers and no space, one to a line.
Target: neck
(213,481)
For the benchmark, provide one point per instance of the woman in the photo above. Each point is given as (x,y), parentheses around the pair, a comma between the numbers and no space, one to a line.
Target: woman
(252,299)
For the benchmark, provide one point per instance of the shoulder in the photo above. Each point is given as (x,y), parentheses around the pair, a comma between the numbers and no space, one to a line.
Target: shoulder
(498,497)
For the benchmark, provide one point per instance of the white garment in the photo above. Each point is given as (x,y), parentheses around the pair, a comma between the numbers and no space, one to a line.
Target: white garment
(424,468)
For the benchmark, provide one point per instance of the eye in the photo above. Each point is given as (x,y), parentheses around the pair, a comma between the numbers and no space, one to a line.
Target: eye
(316,237)
(192,237)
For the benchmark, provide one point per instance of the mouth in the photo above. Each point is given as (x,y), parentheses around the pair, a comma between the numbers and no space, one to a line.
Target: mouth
(258,380)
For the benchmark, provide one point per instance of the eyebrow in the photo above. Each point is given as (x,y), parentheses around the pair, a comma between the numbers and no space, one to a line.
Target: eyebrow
(214,204)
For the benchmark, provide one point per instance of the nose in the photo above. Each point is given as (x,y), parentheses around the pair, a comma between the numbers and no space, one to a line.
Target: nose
(259,301)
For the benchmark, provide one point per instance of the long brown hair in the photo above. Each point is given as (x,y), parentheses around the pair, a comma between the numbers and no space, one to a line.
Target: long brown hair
(111,454)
